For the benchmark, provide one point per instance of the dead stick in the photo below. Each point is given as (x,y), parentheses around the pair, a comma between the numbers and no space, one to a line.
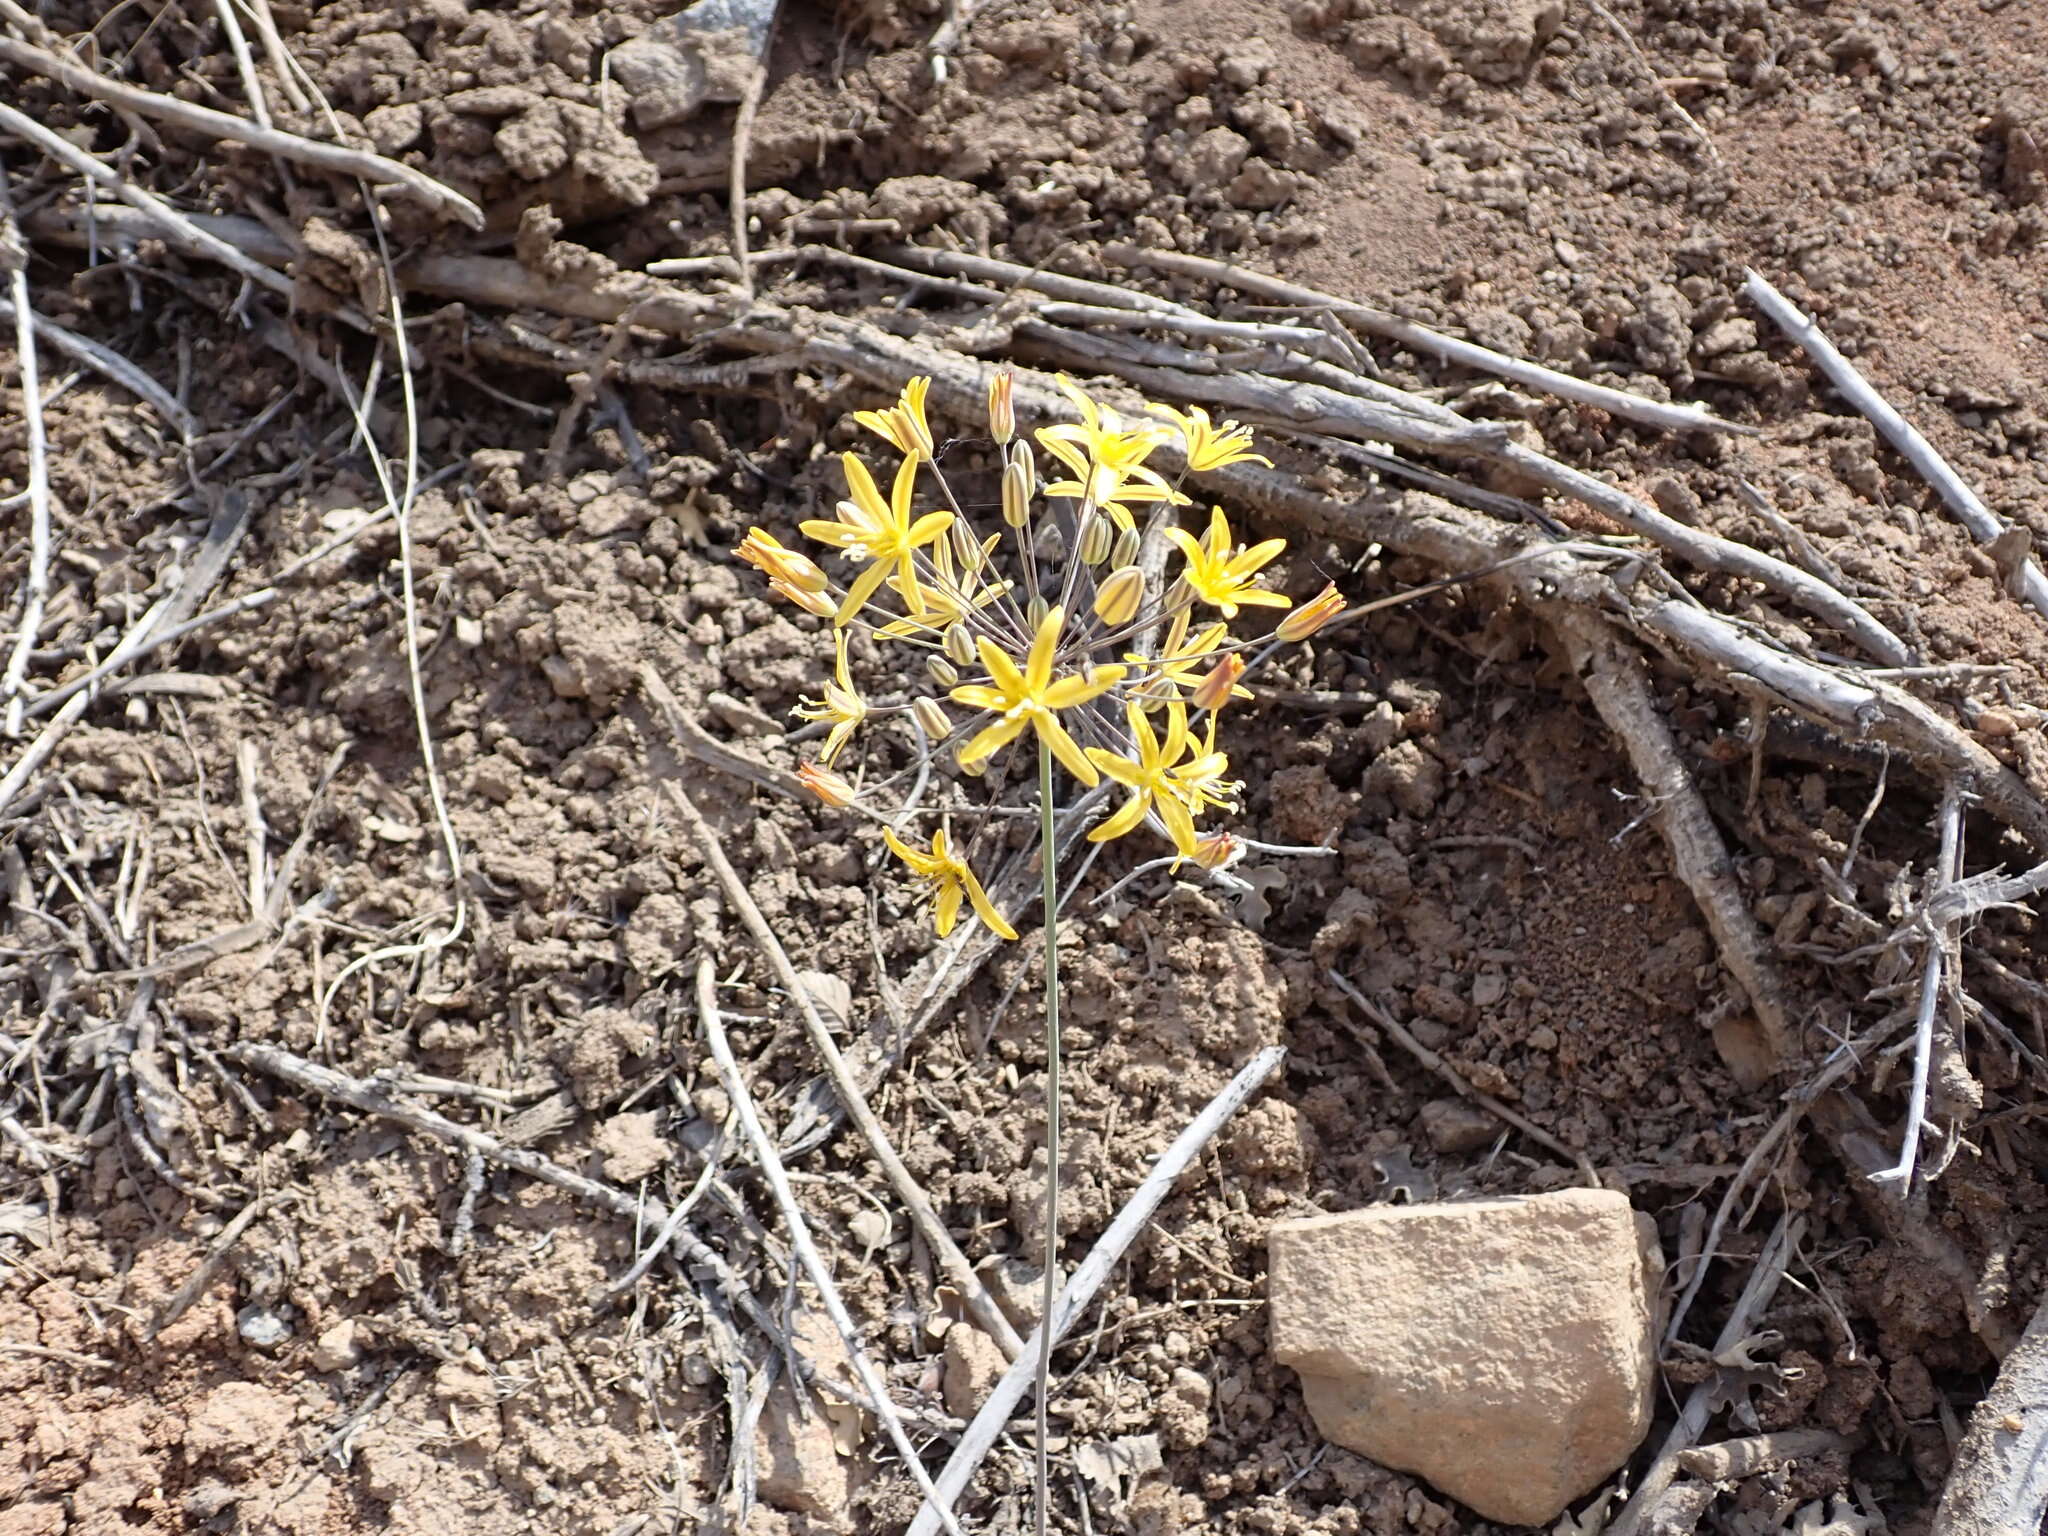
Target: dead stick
(1984,524)
(799,1230)
(1998,1482)
(973,1293)
(1756,1296)
(994,1414)
(1677,418)
(36,592)
(1618,684)
(222,125)
(216,1255)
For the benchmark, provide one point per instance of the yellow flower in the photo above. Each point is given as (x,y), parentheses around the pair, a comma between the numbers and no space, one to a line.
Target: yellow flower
(1200,781)
(1208,446)
(880,532)
(950,879)
(1149,777)
(1182,663)
(903,424)
(1108,462)
(1032,697)
(842,705)
(1222,576)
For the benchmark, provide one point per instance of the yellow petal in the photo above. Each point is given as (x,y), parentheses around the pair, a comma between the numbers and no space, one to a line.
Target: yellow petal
(1131,813)
(859,593)
(1069,691)
(991,741)
(983,907)
(1066,749)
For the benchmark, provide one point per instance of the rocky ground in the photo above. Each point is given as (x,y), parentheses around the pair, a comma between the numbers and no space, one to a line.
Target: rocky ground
(236,845)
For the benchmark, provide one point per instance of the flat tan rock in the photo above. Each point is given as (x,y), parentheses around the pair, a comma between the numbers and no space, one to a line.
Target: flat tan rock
(1503,1349)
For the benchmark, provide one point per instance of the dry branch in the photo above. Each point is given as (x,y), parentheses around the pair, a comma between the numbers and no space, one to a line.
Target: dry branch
(813,1262)
(958,1271)
(210,124)
(990,1420)
(1985,526)
(1998,1483)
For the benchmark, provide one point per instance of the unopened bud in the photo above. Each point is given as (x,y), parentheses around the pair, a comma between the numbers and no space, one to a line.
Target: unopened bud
(1215,850)
(1116,601)
(941,671)
(931,719)
(1035,612)
(1126,551)
(1213,691)
(826,785)
(1016,495)
(1097,540)
(1002,410)
(959,644)
(1311,615)
(1027,464)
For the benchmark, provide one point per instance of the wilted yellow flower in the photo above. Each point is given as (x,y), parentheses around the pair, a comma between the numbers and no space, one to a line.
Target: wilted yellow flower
(761,548)
(842,704)
(1032,697)
(1221,575)
(826,785)
(1182,663)
(1211,447)
(1108,463)
(1217,850)
(1002,407)
(1218,688)
(880,532)
(1311,615)
(903,425)
(1149,777)
(950,879)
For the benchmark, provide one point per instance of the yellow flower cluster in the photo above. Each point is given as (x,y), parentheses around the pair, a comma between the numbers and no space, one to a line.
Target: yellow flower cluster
(1118,679)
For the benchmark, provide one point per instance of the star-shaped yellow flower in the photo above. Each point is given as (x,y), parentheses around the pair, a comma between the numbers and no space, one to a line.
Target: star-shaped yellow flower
(1108,462)
(1210,446)
(1221,575)
(950,879)
(881,533)
(1200,783)
(1032,697)
(842,704)
(1150,778)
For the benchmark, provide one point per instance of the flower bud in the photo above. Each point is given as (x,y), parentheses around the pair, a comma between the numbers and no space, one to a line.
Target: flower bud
(1126,551)
(1002,410)
(1216,850)
(1036,611)
(959,644)
(941,671)
(826,785)
(1097,540)
(1027,465)
(1117,600)
(931,719)
(1016,495)
(1311,615)
(1213,691)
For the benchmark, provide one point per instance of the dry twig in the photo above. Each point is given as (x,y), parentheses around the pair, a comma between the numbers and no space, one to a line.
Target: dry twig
(1985,526)
(800,1233)
(958,1271)
(205,121)
(1998,1482)
(990,1419)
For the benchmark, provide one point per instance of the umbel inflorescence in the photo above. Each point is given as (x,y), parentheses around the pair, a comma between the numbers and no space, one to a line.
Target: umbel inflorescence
(1044,626)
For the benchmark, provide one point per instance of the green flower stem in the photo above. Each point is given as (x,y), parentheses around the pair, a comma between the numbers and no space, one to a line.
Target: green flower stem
(1049,936)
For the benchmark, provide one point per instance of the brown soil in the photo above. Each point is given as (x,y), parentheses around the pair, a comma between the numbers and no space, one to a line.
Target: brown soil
(364,1358)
